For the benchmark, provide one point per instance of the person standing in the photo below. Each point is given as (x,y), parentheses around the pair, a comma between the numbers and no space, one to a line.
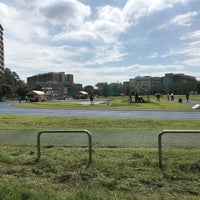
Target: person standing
(172,96)
(91,100)
(167,96)
(187,96)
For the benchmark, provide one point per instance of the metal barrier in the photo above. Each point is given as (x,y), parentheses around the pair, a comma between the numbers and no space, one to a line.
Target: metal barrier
(160,140)
(66,131)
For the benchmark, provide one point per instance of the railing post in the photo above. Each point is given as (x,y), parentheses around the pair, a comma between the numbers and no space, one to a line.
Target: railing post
(160,149)
(38,146)
(90,149)
(160,141)
(66,131)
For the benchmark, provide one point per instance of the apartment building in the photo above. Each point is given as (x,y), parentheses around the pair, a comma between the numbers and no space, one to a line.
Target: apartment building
(1,49)
(146,82)
(55,83)
(69,78)
(171,79)
(50,78)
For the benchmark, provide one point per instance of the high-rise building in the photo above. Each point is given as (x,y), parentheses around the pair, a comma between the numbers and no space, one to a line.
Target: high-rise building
(69,78)
(146,82)
(1,49)
(46,78)
(52,82)
(171,80)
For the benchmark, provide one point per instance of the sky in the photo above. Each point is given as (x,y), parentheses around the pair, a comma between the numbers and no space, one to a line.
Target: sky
(101,40)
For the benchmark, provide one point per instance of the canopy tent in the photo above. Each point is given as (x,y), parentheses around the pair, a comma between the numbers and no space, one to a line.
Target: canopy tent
(36,95)
(81,95)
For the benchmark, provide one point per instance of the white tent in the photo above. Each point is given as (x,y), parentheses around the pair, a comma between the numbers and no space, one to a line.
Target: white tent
(81,95)
(36,95)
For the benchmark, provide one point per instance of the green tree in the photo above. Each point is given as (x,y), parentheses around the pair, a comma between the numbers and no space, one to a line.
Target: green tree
(9,84)
(198,87)
(103,89)
(37,86)
(89,89)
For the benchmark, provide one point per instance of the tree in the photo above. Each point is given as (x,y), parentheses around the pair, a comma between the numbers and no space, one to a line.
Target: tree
(103,89)
(22,89)
(36,86)
(9,84)
(89,89)
(198,87)
(115,89)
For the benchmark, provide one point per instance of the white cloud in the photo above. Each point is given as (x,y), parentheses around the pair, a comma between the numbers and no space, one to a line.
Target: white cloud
(136,9)
(191,35)
(18,26)
(184,20)
(107,27)
(28,3)
(65,12)
(7,15)
(110,18)
(103,54)
(153,55)
(191,48)
(80,35)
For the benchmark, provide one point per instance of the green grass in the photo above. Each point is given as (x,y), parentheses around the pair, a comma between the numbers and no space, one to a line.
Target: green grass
(120,173)
(50,104)
(41,122)
(115,103)
(100,138)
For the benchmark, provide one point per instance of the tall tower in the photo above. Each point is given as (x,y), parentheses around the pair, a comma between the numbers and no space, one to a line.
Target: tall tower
(1,50)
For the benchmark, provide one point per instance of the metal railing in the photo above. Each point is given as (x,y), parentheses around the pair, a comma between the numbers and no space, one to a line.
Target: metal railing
(160,141)
(66,131)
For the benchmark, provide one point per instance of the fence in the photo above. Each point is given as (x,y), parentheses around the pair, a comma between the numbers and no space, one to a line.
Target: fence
(66,131)
(171,132)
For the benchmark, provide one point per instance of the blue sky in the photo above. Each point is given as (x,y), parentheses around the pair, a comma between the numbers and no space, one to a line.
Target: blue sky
(101,40)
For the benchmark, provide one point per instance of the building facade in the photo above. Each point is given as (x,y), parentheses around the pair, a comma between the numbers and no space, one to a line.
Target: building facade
(177,83)
(145,82)
(53,83)
(69,78)
(50,78)
(1,49)
(170,80)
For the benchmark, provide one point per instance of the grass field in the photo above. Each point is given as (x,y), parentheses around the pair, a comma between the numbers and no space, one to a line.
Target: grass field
(116,103)
(101,138)
(127,170)
(119,173)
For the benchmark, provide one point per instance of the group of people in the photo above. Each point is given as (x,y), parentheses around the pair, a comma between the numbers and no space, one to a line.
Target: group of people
(180,100)
(187,95)
(170,97)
